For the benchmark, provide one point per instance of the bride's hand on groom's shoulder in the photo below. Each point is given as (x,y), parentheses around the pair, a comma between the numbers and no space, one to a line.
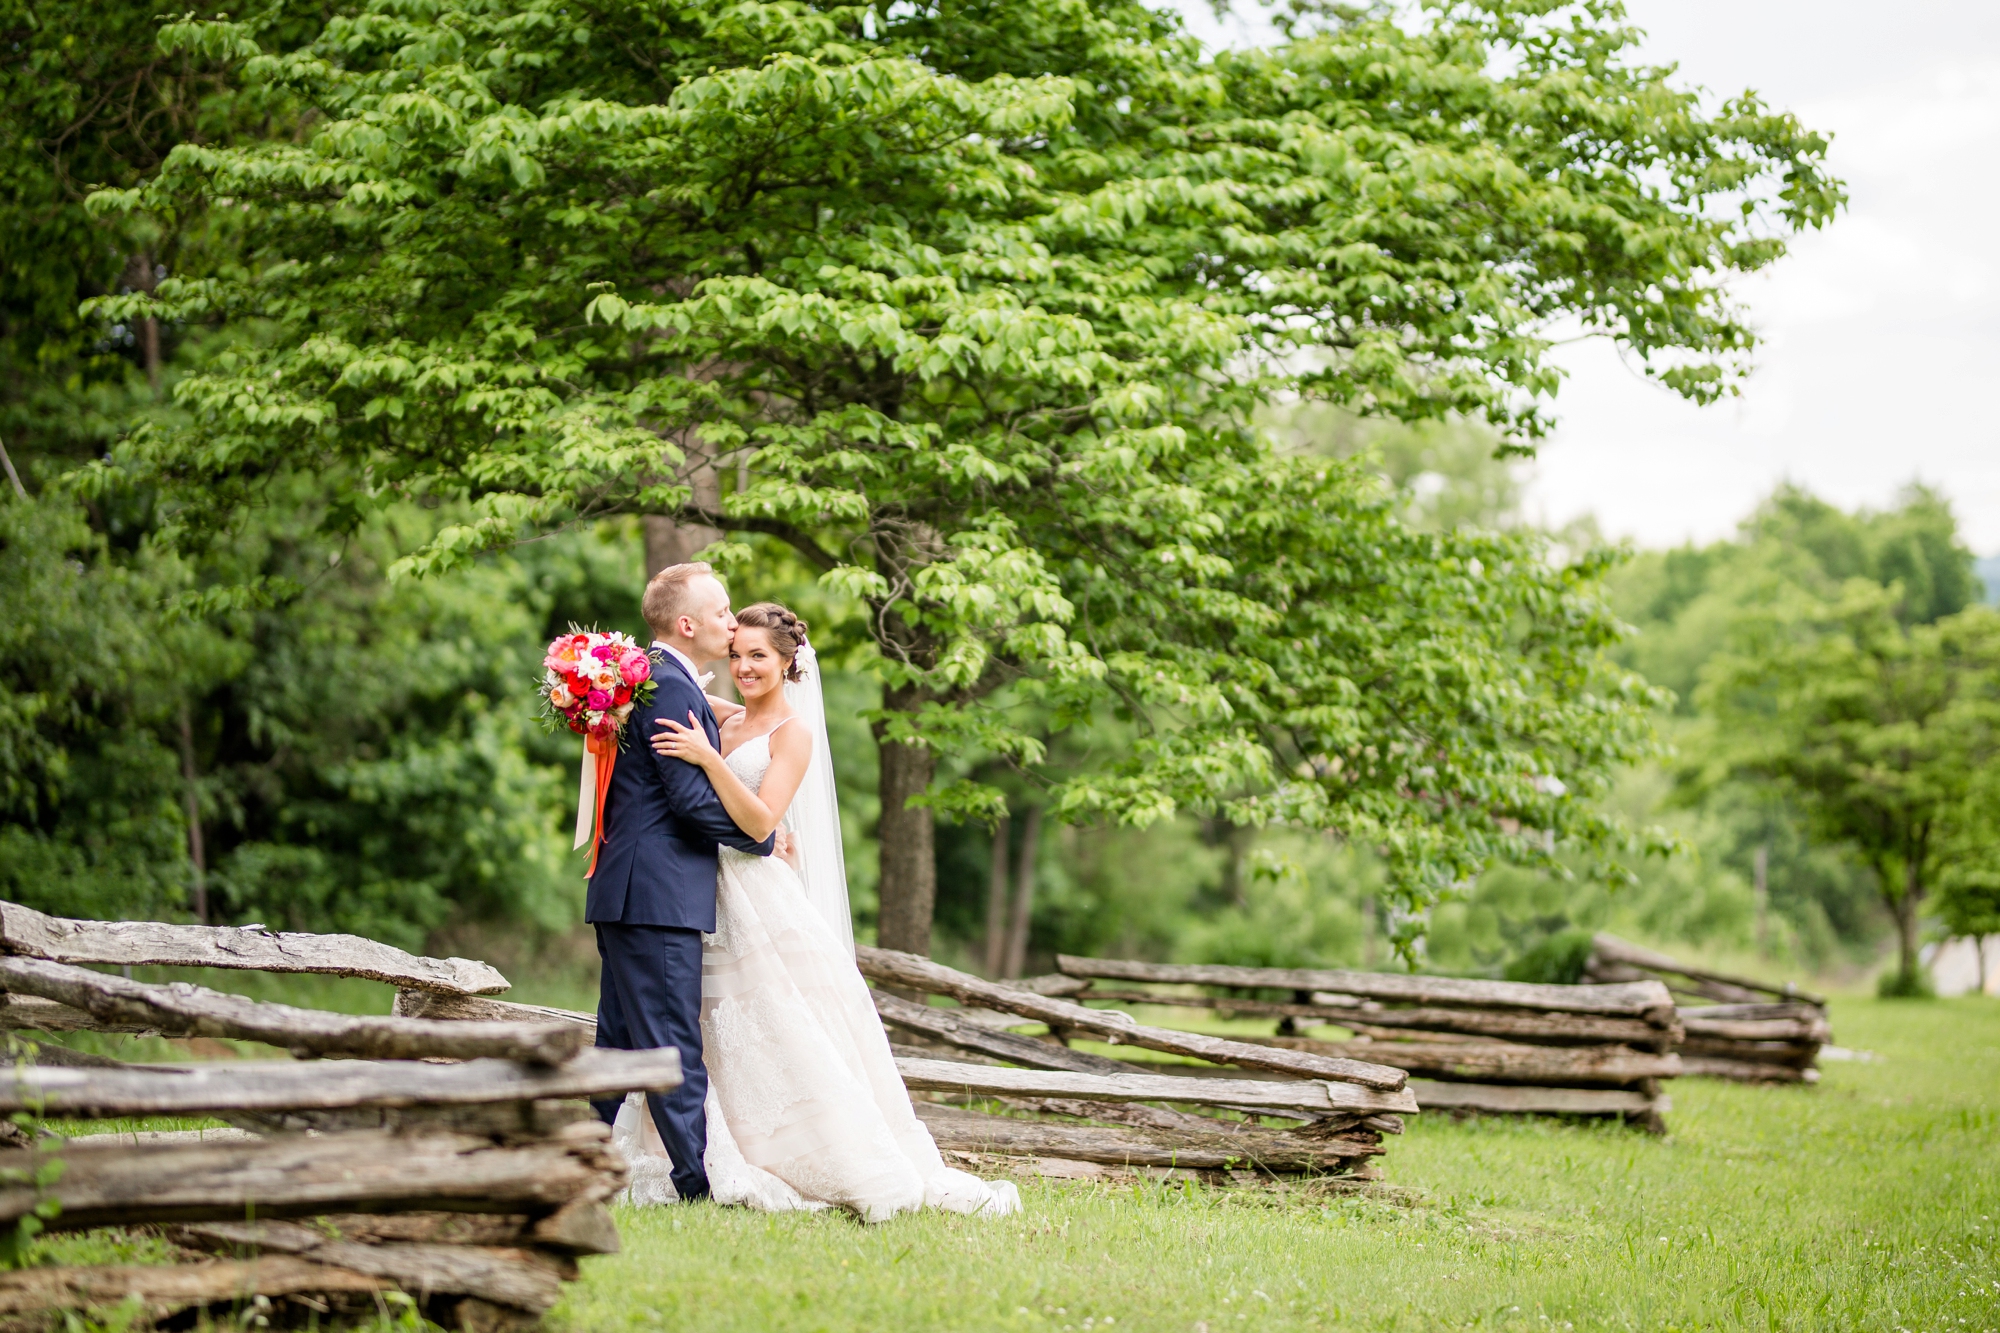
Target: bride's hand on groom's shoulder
(689,743)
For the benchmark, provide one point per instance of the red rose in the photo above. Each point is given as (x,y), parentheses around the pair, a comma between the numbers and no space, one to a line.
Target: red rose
(620,696)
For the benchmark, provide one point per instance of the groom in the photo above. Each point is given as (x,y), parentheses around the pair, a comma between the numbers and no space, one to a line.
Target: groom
(654,891)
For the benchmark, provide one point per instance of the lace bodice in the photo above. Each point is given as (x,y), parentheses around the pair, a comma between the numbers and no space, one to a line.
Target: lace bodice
(752,759)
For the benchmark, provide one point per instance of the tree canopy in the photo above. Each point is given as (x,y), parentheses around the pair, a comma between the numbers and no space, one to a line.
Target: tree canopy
(972,305)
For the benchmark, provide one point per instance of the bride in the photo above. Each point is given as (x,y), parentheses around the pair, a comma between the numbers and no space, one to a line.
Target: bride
(805,1107)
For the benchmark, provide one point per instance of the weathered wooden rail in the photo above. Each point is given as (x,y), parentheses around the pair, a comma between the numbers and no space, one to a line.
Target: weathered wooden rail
(27,933)
(452,1160)
(180,1009)
(1477,1045)
(1736,1027)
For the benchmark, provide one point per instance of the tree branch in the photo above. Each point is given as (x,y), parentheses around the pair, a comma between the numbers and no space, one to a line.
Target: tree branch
(796,538)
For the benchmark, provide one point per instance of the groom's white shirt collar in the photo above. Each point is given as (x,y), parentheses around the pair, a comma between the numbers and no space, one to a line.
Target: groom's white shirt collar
(687,663)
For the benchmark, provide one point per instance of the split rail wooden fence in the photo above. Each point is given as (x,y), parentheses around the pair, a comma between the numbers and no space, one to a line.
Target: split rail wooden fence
(1074,1112)
(1736,1028)
(1071,1114)
(450,1161)
(1470,1045)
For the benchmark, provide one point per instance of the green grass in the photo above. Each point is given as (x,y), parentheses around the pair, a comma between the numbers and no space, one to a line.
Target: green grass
(1869,1202)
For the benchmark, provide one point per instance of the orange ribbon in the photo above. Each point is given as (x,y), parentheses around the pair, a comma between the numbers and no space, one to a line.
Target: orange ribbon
(605,750)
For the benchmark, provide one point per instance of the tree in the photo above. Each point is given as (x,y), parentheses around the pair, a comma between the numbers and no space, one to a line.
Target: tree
(352,756)
(1969,905)
(1879,730)
(972,305)
(89,99)
(1968,900)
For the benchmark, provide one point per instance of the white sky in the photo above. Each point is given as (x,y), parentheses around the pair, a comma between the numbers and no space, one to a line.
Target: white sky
(1882,333)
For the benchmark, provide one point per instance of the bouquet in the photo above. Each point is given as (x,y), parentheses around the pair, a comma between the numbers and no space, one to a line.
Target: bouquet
(590,683)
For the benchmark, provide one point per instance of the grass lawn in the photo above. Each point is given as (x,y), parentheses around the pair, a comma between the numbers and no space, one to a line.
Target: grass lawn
(1869,1202)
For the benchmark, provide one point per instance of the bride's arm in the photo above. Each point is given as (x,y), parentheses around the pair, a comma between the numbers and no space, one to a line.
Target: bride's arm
(689,744)
(756,812)
(723,708)
(791,751)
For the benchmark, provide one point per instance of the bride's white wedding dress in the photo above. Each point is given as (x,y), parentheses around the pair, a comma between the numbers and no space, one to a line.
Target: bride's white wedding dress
(805,1107)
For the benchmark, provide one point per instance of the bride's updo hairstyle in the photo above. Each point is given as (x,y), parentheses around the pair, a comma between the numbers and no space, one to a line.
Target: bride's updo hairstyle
(786,631)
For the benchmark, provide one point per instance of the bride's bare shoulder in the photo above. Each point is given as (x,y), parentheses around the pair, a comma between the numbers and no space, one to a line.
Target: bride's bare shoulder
(789,740)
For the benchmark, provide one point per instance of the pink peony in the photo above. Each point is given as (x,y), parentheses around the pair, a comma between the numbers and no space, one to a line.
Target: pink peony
(635,668)
(598,700)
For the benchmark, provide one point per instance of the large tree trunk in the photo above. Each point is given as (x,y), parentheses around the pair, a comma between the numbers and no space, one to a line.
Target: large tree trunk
(908,885)
(1024,894)
(191,794)
(141,276)
(1236,842)
(996,901)
(671,542)
(1905,912)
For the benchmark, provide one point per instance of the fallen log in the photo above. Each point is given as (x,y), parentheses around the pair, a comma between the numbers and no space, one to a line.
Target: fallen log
(1511,1099)
(1534,1029)
(1290,1097)
(183,1010)
(944,1025)
(288,1085)
(1746,1071)
(1611,956)
(905,969)
(1648,1000)
(512,1276)
(1502,1061)
(298,1176)
(168,1289)
(958,1130)
(32,934)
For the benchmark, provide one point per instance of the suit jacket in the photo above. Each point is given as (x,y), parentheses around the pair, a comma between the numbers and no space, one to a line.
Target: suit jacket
(662,821)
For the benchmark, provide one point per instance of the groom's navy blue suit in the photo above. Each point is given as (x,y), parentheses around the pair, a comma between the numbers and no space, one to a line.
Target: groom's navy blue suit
(652,896)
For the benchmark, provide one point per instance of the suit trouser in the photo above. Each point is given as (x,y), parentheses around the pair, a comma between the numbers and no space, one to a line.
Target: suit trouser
(649,997)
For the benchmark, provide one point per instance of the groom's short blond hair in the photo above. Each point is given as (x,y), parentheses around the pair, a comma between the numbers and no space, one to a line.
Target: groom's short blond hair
(667,598)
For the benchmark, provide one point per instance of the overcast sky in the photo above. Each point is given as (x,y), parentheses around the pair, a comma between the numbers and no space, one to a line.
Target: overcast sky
(1882,333)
